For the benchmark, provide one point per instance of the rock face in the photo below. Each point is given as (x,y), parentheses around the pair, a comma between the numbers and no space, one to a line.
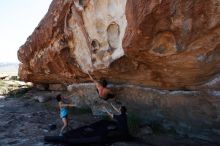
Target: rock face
(192,113)
(169,44)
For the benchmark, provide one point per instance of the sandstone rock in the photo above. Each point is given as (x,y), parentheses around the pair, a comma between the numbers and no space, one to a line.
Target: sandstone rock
(145,131)
(85,95)
(183,112)
(13,87)
(57,87)
(28,84)
(41,87)
(170,44)
(3,76)
(4,90)
(42,99)
(13,78)
(76,100)
(2,97)
(8,78)
(164,44)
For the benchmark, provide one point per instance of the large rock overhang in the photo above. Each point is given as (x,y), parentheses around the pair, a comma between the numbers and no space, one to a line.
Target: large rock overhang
(165,44)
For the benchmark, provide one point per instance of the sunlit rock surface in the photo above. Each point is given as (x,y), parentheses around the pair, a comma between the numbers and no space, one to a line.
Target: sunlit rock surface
(167,44)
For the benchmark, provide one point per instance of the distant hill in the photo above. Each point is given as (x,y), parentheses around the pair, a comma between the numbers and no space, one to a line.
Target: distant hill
(9,68)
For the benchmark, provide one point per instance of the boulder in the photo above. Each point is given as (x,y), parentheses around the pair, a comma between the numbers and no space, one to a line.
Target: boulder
(144,132)
(84,95)
(57,87)
(4,90)
(41,87)
(42,99)
(165,44)
(2,97)
(182,112)
(3,76)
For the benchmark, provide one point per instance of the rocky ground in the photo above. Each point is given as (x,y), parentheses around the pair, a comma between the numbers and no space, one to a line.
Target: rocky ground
(25,121)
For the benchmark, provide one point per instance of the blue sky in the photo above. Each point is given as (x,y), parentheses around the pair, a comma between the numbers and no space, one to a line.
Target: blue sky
(18,18)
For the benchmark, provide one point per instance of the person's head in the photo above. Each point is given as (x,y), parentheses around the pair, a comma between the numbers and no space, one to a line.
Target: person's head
(103,83)
(58,97)
(123,109)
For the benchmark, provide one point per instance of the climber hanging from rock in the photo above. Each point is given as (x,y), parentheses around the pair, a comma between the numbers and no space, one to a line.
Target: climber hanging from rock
(104,92)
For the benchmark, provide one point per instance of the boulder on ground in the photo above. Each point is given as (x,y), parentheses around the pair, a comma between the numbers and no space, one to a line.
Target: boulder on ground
(42,99)
(57,87)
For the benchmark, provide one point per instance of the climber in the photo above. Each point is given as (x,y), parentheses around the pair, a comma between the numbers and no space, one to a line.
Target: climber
(63,112)
(121,120)
(104,92)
